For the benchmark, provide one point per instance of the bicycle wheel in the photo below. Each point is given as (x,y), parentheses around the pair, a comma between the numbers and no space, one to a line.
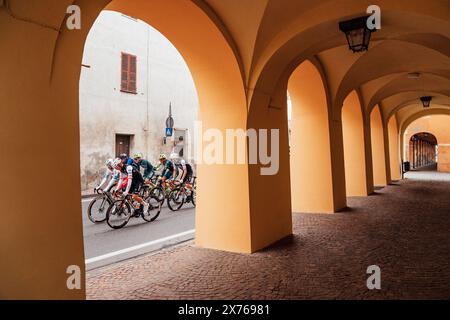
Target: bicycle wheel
(175,200)
(145,191)
(193,197)
(118,214)
(158,193)
(97,209)
(154,210)
(194,193)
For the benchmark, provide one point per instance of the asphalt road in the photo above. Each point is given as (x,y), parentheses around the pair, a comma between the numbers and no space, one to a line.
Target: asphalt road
(103,245)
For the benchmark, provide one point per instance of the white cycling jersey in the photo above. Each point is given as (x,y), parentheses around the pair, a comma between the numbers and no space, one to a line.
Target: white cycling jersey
(106,176)
(114,177)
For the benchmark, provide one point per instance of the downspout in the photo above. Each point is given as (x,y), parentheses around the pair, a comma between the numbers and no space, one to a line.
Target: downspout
(146,127)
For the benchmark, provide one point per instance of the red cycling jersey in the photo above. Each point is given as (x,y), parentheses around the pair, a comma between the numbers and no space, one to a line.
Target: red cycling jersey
(124,183)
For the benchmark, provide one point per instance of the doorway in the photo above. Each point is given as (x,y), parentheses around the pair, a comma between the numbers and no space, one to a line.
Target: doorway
(123,143)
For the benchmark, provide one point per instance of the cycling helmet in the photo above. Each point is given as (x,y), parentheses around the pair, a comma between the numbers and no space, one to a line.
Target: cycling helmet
(117,163)
(109,163)
(138,156)
(123,156)
(162,156)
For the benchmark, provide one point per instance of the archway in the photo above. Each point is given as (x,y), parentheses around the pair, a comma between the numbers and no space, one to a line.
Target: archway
(378,148)
(422,131)
(214,66)
(311,178)
(123,109)
(422,150)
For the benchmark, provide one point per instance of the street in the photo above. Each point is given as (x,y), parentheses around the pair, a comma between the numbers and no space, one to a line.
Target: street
(103,245)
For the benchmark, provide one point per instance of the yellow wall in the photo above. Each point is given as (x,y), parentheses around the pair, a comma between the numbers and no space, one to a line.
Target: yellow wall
(353,131)
(270,196)
(394,149)
(311,180)
(41,227)
(378,151)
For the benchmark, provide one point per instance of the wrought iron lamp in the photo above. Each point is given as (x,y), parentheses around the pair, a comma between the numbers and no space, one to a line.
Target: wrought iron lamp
(358,33)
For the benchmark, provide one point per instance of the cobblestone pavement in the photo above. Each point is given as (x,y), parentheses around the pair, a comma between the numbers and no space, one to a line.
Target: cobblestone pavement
(403,228)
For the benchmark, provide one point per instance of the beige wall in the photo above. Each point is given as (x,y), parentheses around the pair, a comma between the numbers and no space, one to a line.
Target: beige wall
(444,158)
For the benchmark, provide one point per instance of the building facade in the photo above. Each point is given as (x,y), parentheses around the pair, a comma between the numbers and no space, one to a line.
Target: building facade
(130,76)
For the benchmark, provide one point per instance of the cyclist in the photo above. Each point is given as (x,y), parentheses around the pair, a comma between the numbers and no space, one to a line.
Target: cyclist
(109,175)
(186,171)
(127,160)
(142,163)
(135,182)
(186,176)
(169,170)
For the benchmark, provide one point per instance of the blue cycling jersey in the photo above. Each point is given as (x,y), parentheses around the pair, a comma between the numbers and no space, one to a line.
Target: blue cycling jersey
(129,162)
(148,168)
(168,169)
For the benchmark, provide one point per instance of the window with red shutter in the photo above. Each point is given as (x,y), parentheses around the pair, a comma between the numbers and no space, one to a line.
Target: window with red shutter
(128,73)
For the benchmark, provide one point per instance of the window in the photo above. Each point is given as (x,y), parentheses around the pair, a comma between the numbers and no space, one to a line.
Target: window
(128,73)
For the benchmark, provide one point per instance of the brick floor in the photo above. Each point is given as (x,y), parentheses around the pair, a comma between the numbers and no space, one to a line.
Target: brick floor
(404,229)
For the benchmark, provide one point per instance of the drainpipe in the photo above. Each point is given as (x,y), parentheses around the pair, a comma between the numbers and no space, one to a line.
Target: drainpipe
(146,127)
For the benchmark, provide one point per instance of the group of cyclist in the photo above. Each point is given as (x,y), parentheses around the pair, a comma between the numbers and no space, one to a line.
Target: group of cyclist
(124,175)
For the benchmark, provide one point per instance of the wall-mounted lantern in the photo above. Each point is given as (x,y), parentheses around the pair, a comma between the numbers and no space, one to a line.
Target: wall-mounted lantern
(358,33)
(426,101)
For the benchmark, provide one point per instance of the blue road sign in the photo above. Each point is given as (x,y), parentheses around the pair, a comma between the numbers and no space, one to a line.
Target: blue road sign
(169,132)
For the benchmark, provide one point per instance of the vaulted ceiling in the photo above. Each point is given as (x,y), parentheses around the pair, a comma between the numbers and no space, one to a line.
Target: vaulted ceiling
(273,35)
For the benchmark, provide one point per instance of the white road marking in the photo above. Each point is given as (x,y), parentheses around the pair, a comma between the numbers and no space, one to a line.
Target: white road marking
(137,247)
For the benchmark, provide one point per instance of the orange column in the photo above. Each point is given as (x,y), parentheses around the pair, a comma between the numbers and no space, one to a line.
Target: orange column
(311,178)
(354,147)
(378,151)
(394,149)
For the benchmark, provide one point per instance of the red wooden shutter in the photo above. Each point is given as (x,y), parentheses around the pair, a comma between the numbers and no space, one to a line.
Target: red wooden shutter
(132,74)
(128,73)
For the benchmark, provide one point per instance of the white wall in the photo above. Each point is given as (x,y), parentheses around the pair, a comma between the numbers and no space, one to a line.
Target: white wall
(162,78)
